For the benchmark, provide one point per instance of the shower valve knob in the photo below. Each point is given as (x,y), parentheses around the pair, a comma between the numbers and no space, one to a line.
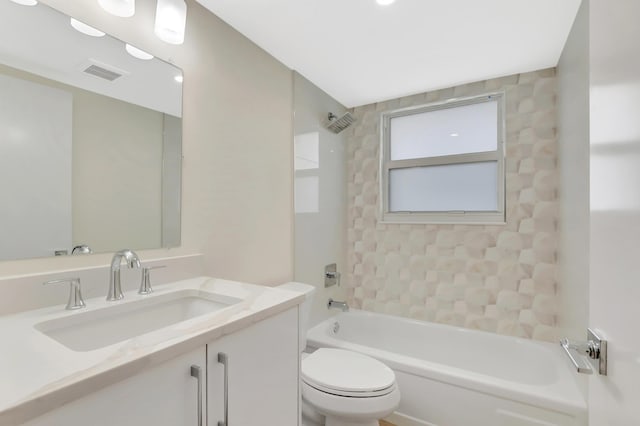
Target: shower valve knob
(331,275)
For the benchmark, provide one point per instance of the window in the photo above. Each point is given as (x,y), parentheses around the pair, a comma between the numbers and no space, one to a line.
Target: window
(444,163)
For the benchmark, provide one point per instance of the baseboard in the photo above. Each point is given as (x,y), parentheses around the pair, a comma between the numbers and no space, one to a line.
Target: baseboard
(400,419)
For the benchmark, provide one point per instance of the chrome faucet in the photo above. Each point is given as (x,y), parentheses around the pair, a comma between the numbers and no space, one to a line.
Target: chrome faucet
(338,305)
(115,290)
(82,249)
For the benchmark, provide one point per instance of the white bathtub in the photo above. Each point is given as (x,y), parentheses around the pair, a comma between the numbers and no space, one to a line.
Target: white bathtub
(451,376)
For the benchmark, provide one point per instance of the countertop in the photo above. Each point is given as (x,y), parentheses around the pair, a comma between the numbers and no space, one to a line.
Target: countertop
(38,374)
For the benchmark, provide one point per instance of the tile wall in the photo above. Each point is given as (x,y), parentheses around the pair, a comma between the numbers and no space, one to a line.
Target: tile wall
(495,278)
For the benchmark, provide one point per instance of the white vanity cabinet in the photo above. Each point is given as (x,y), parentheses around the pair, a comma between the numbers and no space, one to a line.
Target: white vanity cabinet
(165,395)
(262,388)
(261,363)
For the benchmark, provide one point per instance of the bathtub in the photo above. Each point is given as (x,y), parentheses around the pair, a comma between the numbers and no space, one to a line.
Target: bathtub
(451,376)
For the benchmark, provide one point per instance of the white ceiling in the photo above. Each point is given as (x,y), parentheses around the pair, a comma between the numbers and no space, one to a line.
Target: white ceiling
(360,52)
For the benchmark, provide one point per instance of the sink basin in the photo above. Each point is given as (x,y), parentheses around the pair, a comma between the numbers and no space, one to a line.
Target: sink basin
(87,331)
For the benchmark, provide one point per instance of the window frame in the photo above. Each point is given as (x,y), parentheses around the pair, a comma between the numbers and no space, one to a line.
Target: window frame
(453,217)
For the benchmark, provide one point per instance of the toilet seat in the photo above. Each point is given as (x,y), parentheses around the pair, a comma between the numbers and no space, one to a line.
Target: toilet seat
(352,411)
(346,373)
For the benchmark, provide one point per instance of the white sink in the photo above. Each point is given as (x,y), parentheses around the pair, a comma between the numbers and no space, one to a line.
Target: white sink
(87,331)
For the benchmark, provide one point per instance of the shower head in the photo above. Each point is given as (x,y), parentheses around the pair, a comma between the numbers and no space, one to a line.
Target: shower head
(337,124)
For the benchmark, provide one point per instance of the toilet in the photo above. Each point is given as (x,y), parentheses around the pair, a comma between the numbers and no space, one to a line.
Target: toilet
(340,387)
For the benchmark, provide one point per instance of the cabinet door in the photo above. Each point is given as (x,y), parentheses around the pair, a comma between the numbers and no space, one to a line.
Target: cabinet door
(262,367)
(165,395)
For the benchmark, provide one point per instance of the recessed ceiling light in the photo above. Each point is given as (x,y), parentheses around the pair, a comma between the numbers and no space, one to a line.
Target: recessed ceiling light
(385,2)
(137,53)
(178,78)
(25,2)
(454,135)
(85,29)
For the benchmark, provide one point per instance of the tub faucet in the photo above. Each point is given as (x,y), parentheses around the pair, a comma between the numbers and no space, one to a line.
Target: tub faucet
(115,290)
(338,305)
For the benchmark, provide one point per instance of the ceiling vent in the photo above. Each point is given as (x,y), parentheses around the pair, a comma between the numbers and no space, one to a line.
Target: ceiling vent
(104,71)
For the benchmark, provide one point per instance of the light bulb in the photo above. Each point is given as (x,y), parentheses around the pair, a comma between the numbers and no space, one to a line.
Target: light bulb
(171,20)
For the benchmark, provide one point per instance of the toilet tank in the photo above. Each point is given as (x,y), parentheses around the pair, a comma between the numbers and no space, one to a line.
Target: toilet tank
(305,307)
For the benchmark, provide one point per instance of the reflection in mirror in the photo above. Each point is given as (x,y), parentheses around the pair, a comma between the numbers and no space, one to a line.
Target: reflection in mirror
(90,139)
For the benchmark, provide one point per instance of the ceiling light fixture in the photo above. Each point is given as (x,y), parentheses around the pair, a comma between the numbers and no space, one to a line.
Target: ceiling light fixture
(171,20)
(25,2)
(385,2)
(137,53)
(122,8)
(85,29)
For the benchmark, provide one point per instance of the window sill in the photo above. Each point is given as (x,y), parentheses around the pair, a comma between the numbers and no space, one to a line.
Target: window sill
(495,219)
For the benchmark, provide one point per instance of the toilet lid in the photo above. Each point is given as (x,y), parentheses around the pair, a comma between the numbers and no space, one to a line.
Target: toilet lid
(346,372)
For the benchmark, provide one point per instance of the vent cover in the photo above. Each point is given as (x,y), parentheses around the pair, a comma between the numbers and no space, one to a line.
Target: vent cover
(101,72)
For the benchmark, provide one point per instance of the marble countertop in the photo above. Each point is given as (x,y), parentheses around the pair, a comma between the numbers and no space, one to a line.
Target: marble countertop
(38,374)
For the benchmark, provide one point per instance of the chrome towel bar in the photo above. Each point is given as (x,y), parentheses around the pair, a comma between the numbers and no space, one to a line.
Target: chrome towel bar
(595,349)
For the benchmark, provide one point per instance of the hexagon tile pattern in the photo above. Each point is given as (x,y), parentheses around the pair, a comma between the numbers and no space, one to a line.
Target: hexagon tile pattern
(495,278)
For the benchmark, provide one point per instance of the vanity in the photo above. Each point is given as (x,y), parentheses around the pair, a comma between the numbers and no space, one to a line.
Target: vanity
(201,351)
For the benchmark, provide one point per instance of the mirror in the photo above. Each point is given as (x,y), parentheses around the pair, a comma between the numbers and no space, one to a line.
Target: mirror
(90,139)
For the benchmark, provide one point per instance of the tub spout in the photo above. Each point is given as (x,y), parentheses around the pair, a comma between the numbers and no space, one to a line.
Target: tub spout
(337,305)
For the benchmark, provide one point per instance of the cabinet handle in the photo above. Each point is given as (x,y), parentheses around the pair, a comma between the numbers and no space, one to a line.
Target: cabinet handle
(224,360)
(196,372)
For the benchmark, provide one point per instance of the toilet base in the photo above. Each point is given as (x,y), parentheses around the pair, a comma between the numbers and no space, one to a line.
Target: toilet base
(311,417)
(332,421)
(344,411)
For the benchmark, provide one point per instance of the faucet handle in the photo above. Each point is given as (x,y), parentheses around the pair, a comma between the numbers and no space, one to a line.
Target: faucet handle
(145,283)
(75,295)
(331,275)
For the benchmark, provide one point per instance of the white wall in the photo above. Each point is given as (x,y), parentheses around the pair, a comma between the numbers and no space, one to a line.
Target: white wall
(117,173)
(35,169)
(573,164)
(615,207)
(320,191)
(117,161)
(171,181)
(237,177)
